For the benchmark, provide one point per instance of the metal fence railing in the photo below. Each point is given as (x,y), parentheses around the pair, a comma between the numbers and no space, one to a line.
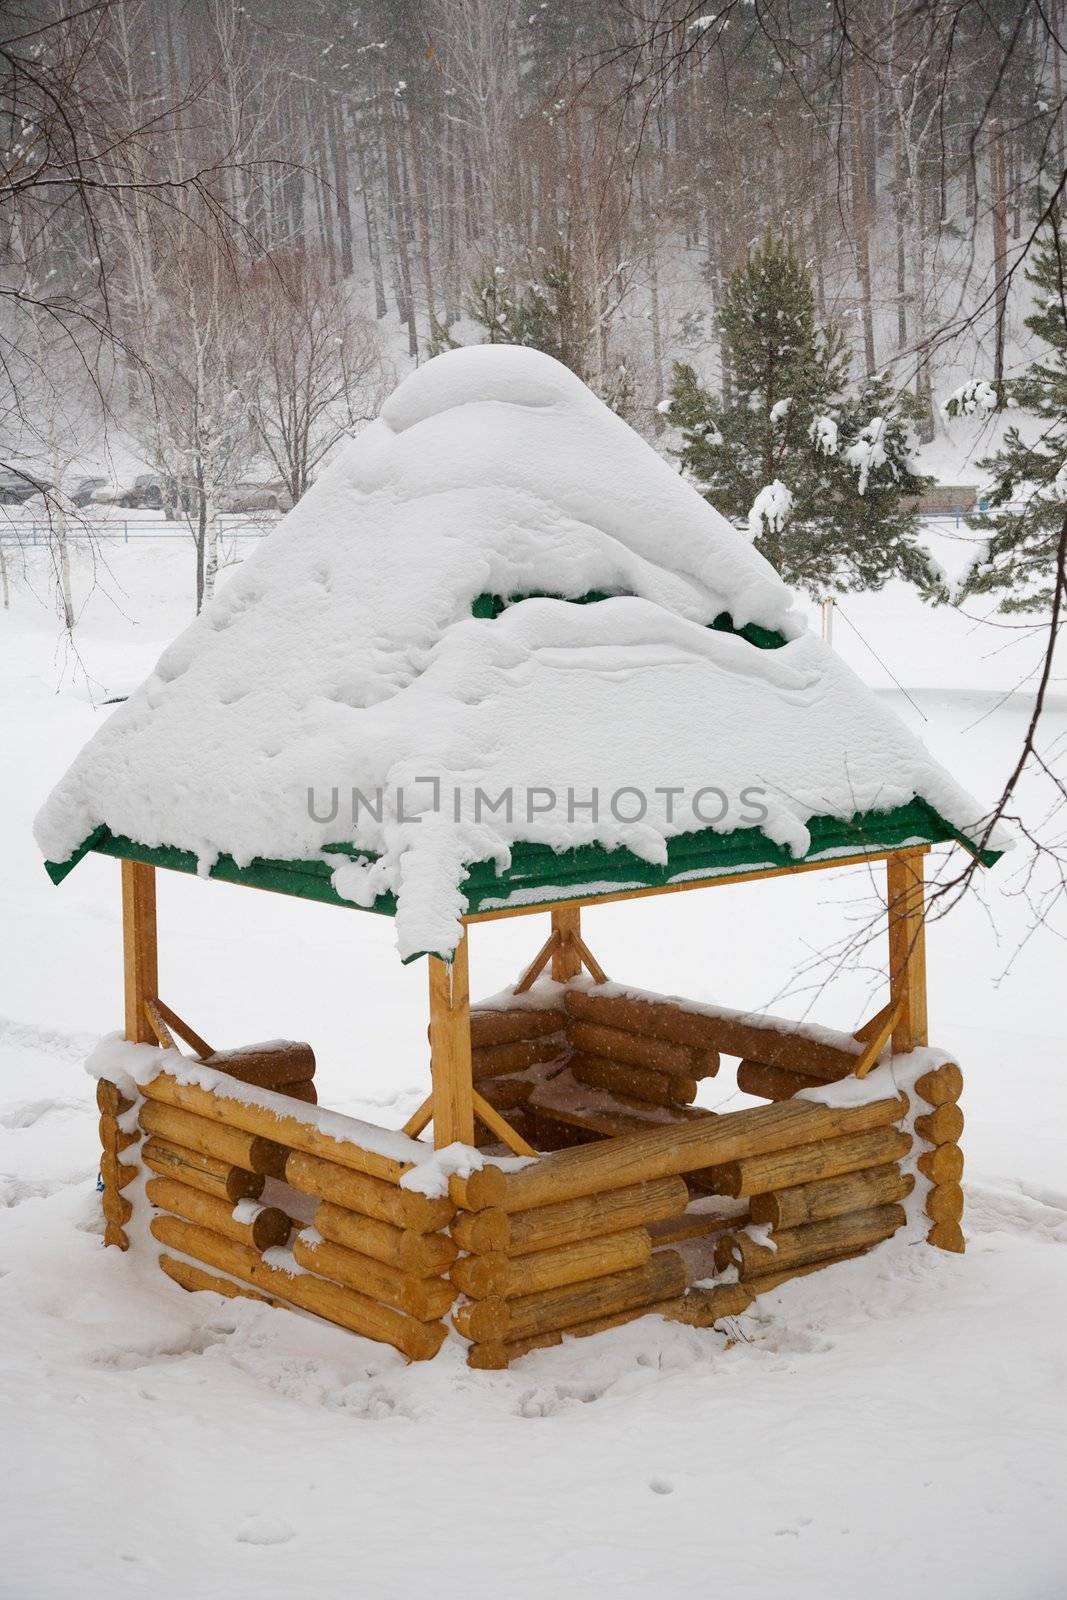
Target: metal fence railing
(27,535)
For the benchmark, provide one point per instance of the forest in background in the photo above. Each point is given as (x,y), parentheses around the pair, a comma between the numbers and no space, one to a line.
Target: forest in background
(226,229)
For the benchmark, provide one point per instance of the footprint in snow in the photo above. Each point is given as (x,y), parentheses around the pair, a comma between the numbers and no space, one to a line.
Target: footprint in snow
(265,1530)
(31,1111)
(16,1191)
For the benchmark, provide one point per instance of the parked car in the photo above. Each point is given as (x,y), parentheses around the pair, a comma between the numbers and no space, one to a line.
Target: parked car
(153,491)
(18,487)
(245,497)
(84,491)
(144,494)
(107,494)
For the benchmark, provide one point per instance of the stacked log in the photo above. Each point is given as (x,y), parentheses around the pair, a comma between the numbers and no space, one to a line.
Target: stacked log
(630,1048)
(760,1040)
(509,1041)
(205,1172)
(942,1159)
(227,1149)
(556,1247)
(823,1202)
(506,1042)
(573,1243)
(262,1227)
(191,1277)
(115,1174)
(636,1082)
(703,1307)
(530,1277)
(501,1329)
(773,1083)
(376,1259)
(831,1197)
(674,1149)
(642,1058)
(285,1065)
(833,1157)
(802,1246)
(417,1340)
(564,1115)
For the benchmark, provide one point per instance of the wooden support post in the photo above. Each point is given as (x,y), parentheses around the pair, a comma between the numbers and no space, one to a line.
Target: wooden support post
(566,958)
(450,1049)
(139,947)
(907,948)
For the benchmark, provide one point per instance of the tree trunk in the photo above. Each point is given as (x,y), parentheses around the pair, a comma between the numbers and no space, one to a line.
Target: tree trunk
(398,234)
(899,204)
(418,184)
(819,250)
(860,214)
(322,188)
(201,536)
(211,550)
(370,219)
(659,378)
(1056,31)
(923,391)
(998,184)
(57,521)
(340,178)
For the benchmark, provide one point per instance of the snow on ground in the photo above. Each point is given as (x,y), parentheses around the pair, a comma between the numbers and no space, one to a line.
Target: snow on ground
(895,1424)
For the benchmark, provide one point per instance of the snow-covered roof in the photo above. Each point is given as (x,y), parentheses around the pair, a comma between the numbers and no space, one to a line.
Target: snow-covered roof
(378,642)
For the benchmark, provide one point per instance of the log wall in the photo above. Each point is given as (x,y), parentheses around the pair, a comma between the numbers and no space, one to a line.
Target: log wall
(568,1245)
(375,1261)
(117,1166)
(584,1238)
(939,1126)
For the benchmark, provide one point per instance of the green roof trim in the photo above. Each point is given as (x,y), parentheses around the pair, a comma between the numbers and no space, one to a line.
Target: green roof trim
(487,606)
(586,871)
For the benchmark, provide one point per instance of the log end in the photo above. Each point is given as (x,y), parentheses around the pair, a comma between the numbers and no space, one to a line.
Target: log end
(727,1252)
(942,1086)
(488,1357)
(424,1341)
(944,1203)
(701,1308)
(110,1101)
(482,1321)
(116,1208)
(943,1125)
(947,1236)
(270,1227)
(484,1188)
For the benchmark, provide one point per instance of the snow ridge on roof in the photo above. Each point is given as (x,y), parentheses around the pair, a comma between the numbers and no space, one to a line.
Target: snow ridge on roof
(343,656)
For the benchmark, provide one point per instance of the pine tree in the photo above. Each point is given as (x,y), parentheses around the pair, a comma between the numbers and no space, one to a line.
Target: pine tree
(1020,557)
(545,307)
(822,481)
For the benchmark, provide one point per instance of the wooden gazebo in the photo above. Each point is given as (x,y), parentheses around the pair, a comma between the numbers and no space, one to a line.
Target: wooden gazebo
(572,1181)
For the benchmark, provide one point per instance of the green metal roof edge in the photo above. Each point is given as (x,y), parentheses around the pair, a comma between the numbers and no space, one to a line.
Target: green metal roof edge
(539,866)
(487,606)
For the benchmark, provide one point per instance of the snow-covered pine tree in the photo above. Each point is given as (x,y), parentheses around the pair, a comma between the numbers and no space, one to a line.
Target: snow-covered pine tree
(1019,561)
(546,307)
(543,308)
(823,481)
